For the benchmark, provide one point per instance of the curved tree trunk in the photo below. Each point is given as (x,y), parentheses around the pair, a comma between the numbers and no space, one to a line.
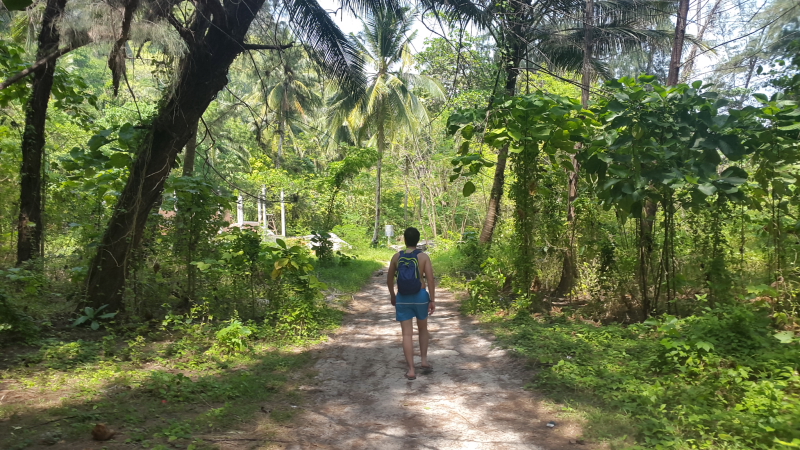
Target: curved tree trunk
(30,224)
(514,50)
(202,74)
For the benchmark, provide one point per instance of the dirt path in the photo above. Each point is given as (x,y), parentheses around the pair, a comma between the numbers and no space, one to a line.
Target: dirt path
(473,399)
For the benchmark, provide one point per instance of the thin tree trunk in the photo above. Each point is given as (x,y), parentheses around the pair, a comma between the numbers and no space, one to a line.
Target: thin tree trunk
(381,145)
(650,207)
(677,44)
(405,199)
(281,133)
(687,71)
(190,152)
(30,224)
(187,222)
(569,269)
(496,195)
(202,74)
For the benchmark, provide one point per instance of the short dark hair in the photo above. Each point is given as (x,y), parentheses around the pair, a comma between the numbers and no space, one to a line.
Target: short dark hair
(411,237)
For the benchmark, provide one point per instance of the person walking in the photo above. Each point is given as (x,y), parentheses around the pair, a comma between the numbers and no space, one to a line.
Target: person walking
(415,297)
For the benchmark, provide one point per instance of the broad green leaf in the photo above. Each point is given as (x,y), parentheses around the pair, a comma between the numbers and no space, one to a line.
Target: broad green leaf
(785,337)
(80,320)
(119,160)
(17,5)
(469,188)
(707,188)
(468,131)
(761,98)
(707,346)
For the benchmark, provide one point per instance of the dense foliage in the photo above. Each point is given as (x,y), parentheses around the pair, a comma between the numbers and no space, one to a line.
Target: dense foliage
(193,185)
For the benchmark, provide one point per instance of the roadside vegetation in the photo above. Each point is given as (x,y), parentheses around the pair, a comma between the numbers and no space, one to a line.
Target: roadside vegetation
(191,192)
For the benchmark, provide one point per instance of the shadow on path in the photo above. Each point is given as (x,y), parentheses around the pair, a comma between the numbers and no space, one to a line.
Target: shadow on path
(474,398)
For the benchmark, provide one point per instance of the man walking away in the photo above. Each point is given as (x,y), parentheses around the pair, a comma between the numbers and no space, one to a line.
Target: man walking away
(413,271)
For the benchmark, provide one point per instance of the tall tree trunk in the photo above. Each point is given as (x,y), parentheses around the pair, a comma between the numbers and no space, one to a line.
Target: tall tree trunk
(405,198)
(281,137)
(569,270)
(381,147)
(650,207)
(202,74)
(514,50)
(185,219)
(30,224)
(677,44)
(189,153)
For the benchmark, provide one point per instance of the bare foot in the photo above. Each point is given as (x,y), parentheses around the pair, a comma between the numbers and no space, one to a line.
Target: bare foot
(426,368)
(410,375)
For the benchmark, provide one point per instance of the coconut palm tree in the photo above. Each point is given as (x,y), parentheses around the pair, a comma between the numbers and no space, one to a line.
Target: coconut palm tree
(389,103)
(291,99)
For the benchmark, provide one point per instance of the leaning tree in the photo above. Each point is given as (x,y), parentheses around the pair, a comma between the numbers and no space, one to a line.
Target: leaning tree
(214,34)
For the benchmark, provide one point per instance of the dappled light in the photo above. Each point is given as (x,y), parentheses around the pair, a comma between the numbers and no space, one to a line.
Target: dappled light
(204,205)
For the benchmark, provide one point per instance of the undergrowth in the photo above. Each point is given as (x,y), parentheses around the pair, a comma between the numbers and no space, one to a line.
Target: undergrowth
(722,379)
(177,385)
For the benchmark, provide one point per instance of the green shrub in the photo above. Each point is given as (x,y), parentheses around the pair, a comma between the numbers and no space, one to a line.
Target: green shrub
(720,379)
(233,338)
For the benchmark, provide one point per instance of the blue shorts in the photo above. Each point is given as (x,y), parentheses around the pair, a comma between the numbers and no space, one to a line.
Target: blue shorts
(410,306)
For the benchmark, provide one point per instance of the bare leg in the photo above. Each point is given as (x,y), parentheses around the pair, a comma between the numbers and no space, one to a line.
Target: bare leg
(408,345)
(424,337)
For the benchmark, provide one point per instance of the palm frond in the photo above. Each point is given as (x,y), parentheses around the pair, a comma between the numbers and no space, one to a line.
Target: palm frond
(327,44)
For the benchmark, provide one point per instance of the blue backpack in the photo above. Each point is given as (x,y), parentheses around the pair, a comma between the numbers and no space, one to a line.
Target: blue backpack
(408,281)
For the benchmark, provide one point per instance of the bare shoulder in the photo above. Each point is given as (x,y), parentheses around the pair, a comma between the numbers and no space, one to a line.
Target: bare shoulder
(395,257)
(424,258)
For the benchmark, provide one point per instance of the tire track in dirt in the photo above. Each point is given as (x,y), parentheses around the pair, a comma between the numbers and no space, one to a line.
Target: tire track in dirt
(474,398)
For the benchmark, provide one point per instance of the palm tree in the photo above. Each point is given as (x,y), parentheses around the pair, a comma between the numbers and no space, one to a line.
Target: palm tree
(291,98)
(389,103)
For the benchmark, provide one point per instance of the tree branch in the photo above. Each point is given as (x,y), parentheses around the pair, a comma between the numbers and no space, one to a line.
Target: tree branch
(184,32)
(38,65)
(267,47)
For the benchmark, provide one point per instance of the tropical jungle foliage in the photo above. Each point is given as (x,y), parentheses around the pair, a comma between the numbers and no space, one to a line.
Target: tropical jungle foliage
(613,186)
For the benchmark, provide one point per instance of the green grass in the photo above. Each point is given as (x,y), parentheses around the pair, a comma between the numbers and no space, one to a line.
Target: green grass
(719,380)
(351,278)
(171,389)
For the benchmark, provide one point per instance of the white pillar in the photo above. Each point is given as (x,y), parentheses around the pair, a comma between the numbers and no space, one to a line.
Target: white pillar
(283,216)
(240,210)
(264,207)
(259,217)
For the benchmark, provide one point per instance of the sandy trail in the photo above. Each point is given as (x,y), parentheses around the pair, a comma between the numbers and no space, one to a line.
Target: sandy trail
(474,399)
